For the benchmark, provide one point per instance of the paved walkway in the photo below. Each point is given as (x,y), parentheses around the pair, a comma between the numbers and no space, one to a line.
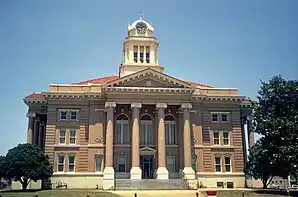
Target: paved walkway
(160,193)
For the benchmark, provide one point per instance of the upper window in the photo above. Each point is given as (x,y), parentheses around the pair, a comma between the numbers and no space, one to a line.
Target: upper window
(72,136)
(216,138)
(63,115)
(122,163)
(220,117)
(68,114)
(227,164)
(73,115)
(122,130)
(60,163)
(146,130)
(142,54)
(147,54)
(62,136)
(171,163)
(135,54)
(217,164)
(71,163)
(170,130)
(226,138)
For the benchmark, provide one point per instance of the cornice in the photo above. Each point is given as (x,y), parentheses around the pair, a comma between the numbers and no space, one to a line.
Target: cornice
(148,90)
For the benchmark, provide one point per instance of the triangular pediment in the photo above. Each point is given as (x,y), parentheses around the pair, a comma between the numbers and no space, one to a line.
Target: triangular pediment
(147,149)
(148,78)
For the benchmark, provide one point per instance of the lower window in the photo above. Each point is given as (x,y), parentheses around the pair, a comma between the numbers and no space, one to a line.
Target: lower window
(122,164)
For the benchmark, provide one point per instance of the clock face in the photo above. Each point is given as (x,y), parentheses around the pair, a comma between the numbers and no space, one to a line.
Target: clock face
(141,27)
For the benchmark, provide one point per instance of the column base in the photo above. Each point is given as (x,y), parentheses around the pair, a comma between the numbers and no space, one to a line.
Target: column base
(188,173)
(135,173)
(108,178)
(162,173)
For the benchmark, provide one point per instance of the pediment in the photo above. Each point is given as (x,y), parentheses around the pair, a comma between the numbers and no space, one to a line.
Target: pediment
(147,149)
(148,78)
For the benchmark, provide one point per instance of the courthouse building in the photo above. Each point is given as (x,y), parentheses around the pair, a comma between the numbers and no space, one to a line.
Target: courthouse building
(141,124)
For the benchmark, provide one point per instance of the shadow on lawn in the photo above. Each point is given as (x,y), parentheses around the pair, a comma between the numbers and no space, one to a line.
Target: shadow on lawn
(277,192)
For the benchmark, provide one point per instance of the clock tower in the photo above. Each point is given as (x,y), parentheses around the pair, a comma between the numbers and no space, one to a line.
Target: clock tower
(140,49)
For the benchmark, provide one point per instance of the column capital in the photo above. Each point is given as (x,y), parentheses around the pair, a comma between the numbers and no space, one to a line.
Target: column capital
(186,105)
(161,105)
(30,115)
(136,105)
(110,104)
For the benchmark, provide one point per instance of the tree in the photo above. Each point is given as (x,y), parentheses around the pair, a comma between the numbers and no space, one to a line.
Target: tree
(27,162)
(276,119)
(260,164)
(3,167)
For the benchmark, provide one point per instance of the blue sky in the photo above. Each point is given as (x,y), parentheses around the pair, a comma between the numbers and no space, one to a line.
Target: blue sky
(231,43)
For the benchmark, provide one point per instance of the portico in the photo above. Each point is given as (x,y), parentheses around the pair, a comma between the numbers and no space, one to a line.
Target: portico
(148,156)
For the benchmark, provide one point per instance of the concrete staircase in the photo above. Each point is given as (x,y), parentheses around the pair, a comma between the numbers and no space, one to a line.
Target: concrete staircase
(150,184)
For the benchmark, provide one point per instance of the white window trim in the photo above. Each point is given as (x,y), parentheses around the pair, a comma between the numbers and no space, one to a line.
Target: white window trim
(118,163)
(219,138)
(67,114)
(219,117)
(101,165)
(229,138)
(77,115)
(59,163)
(230,164)
(74,163)
(64,136)
(147,122)
(220,160)
(228,117)
(174,159)
(121,122)
(75,137)
(171,132)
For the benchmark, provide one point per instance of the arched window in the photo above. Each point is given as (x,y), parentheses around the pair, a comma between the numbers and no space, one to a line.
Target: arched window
(122,136)
(170,127)
(146,128)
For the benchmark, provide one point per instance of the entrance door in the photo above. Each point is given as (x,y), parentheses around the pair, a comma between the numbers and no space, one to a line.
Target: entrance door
(147,166)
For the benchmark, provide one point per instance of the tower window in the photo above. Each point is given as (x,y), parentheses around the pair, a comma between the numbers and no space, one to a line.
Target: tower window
(142,54)
(135,54)
(147,54)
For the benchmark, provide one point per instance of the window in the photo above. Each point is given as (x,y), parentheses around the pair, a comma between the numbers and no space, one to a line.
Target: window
(60,163)
(170,127)
(227,164)
(74,115)
(122,130)
(224,117)
(62,136)
(147,54)
(135,54)
(226,140)
(71,163)
(146,133)
(146,137)
(141,54)
(214,117)
(220,184)
(63,115)
(98,163)
(72,136)
(217,164)
(171,163)
(194,163)
(216,138)
(122,164)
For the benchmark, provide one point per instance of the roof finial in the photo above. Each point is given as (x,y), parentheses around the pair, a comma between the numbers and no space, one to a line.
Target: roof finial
(141,15)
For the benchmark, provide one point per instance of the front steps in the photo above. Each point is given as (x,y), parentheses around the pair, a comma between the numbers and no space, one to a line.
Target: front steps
(150,184)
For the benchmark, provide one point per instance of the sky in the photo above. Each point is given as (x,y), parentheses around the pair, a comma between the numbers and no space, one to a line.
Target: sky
(227,44)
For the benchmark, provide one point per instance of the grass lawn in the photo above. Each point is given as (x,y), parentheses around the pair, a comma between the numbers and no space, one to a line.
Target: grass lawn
(96,193)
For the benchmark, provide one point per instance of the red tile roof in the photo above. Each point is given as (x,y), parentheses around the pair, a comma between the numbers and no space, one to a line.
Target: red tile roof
(102,80)
(34,96)
(105,80)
